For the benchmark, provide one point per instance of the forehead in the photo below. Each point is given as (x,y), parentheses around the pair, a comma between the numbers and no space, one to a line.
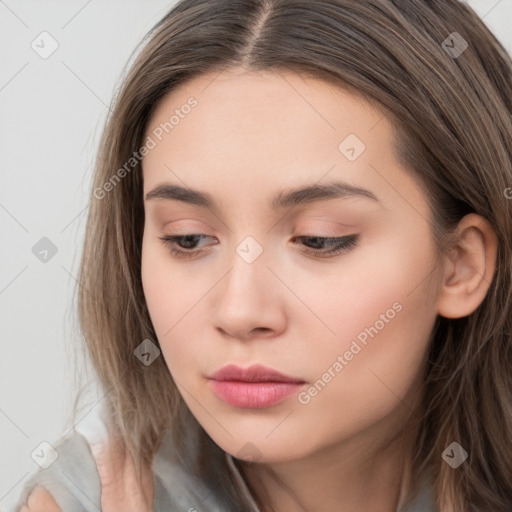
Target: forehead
(280,99)
(251,131)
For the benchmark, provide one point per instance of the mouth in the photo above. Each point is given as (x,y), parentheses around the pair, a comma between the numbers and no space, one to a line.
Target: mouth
(254,387)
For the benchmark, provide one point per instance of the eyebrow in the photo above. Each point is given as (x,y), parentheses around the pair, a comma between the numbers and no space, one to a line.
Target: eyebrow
(284,199)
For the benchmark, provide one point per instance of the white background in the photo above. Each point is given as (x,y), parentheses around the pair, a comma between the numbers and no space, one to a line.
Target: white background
(51,114)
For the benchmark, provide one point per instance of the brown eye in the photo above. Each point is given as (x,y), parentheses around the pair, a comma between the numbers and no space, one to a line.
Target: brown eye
(174,242)
(328,246)
(184,246)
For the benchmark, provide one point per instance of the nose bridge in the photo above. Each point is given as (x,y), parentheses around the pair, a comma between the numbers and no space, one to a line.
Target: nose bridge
(248,270)
(247,299)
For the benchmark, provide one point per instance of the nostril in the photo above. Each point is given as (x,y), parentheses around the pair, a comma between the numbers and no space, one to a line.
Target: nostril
(262,329)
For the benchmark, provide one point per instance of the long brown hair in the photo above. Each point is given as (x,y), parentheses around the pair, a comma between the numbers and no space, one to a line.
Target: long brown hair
(452,115)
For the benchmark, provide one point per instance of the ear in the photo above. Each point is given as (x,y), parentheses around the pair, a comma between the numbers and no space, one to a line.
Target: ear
(468,268)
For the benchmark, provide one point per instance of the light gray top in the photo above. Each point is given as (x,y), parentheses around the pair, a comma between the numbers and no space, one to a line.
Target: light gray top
(74,482)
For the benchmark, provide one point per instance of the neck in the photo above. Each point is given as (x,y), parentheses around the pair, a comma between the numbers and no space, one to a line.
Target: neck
(361,473)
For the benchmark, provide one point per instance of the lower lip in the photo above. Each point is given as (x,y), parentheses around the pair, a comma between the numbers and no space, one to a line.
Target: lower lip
(253,395)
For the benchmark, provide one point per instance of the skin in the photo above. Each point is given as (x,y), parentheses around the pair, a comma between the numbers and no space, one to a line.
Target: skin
(251,136)
(119,485)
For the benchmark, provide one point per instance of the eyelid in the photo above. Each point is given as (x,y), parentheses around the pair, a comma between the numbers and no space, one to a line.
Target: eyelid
(323,221)
(326,232)
(341,245)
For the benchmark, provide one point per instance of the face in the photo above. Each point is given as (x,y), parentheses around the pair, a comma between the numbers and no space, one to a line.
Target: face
(331,287)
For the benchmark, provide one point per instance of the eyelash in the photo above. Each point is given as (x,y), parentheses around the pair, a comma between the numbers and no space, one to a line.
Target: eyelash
(342,244)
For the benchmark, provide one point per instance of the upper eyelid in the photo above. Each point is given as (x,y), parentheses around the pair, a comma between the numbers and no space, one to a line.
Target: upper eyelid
(298,234)
(321,219)
(349,237)
(339,245)
(313,213)
(322,237)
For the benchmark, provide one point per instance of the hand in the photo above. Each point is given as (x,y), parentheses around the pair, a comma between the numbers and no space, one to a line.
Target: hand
(119,487)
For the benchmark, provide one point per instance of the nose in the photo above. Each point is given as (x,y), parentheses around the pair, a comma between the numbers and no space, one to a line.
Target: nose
(249,301)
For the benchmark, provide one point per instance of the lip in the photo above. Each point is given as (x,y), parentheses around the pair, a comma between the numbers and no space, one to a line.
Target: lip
(254,387)
(254,373)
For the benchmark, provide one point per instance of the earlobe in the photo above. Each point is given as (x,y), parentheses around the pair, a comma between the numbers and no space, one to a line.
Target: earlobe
(468,268)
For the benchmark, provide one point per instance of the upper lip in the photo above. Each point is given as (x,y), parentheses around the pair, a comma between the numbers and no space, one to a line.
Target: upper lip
(254,373)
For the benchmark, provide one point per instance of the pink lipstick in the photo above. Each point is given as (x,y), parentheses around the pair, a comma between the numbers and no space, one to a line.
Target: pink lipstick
(255,387)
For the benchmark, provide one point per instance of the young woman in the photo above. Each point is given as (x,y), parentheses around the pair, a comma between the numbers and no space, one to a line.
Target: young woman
(296,280)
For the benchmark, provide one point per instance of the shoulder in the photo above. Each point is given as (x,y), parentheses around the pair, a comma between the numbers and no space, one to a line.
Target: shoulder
(87,476)
(68,478)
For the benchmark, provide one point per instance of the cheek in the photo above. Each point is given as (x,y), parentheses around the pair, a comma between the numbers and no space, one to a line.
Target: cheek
(378,278)
(382,316)
(173,297)
(155,282)
(160,292)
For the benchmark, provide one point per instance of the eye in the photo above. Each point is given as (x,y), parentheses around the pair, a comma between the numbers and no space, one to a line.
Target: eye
(330,246)
(187,240)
